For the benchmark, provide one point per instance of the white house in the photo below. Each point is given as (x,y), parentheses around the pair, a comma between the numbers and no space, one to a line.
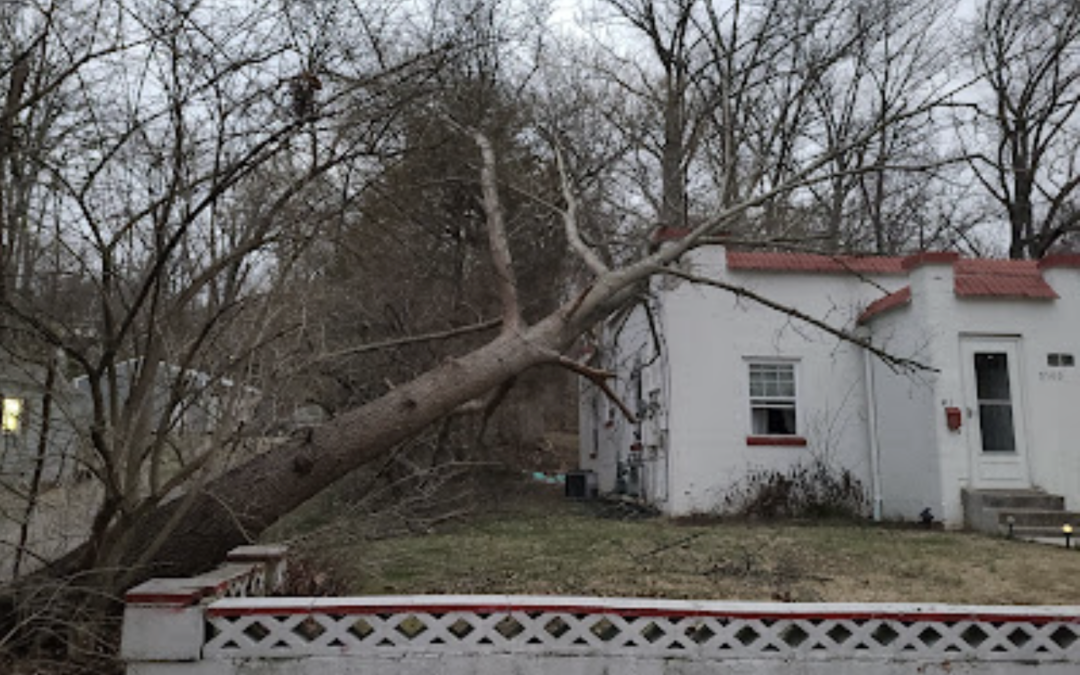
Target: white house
(721,384)
(37,436)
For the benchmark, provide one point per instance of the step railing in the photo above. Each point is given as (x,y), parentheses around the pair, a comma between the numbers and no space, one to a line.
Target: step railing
(187,629)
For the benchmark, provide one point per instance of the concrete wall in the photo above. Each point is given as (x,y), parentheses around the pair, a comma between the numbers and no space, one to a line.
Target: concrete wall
(536,664)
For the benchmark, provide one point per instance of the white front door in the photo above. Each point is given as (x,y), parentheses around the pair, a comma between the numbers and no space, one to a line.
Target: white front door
(994,413)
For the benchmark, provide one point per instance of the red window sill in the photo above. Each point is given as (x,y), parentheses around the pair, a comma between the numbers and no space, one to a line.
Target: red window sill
(790,441)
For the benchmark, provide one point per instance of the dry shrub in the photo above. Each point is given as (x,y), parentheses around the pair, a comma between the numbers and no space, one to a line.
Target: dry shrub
(305,577)
(814,489)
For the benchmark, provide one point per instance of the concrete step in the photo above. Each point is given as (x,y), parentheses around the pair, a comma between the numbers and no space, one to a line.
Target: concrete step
(1038,518)
(1013,499)
(989,511)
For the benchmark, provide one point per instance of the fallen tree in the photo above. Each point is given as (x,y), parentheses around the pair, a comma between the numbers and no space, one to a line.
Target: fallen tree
(184,526)
(194,531)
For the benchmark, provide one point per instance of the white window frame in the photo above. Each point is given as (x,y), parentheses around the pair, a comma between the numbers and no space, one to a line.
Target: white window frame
(775,401)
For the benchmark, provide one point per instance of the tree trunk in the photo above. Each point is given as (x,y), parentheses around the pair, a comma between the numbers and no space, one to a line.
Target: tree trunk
(234,508)
(33,492)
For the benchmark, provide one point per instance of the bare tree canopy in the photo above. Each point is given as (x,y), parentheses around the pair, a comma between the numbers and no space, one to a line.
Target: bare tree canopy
(1028,54)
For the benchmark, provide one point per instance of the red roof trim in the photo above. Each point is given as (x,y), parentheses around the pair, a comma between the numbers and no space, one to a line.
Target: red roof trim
(788,441)
(929,258)
(972,278)
(885,304)
(669,233)
(1017,279)
(1060,260)
(770,261)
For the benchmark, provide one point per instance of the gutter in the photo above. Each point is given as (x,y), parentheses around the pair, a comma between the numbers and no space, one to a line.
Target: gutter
(872,432)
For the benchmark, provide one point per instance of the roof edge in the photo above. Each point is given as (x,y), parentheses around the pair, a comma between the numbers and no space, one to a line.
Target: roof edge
(929,258)
(885,304)
(1060,260)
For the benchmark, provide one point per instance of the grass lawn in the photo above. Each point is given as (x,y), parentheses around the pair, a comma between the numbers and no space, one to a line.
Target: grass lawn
(539,543)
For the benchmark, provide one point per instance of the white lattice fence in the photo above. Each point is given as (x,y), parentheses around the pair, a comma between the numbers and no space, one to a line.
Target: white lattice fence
(587,626)
(210,625)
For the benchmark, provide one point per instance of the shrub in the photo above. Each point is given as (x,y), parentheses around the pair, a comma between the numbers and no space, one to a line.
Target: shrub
(813,489)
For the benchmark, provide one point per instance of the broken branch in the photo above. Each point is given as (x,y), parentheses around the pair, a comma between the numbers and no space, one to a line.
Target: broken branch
(497,240)
(896,362)
(599,379)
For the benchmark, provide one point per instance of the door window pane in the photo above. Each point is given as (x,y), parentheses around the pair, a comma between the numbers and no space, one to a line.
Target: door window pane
(992,376)
(996,427)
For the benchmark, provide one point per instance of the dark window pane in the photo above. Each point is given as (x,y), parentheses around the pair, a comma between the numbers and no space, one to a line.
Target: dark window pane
(1067,360)
(774,421)
(992,376)
(1053,360)
(996,426)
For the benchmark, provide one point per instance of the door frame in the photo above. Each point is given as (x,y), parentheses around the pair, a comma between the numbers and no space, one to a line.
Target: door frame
(1003,470)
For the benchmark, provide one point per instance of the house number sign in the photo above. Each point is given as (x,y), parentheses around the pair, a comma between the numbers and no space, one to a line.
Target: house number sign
(1051,376)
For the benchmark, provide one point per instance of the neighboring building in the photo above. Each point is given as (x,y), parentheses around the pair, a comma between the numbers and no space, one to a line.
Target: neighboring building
(24,388)
(196,402)
(723,385)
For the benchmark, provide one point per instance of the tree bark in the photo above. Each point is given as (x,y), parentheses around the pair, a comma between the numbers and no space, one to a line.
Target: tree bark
(236,507)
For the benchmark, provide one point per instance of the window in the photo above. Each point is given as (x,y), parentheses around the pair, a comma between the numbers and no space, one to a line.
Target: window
(772,399)
(11,415)
(1059,360)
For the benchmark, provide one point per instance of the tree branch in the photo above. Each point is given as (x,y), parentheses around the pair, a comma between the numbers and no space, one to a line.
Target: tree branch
(897,363)
(497,240)
(599,378)
(570,219)
(414,339)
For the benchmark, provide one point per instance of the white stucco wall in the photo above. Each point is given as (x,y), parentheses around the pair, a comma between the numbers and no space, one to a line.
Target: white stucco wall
(1047,398)
(630,350)
(926,464)
(695,437)
(905,416)
(1054,395)
(711,334)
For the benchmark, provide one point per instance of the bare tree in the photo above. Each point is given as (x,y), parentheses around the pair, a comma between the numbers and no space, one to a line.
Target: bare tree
(185,161)
(1028,54)
(878,200)
(737,92)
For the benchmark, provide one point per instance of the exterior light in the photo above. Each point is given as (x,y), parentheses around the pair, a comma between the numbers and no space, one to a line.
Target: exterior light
(11,415)
(1066,529)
